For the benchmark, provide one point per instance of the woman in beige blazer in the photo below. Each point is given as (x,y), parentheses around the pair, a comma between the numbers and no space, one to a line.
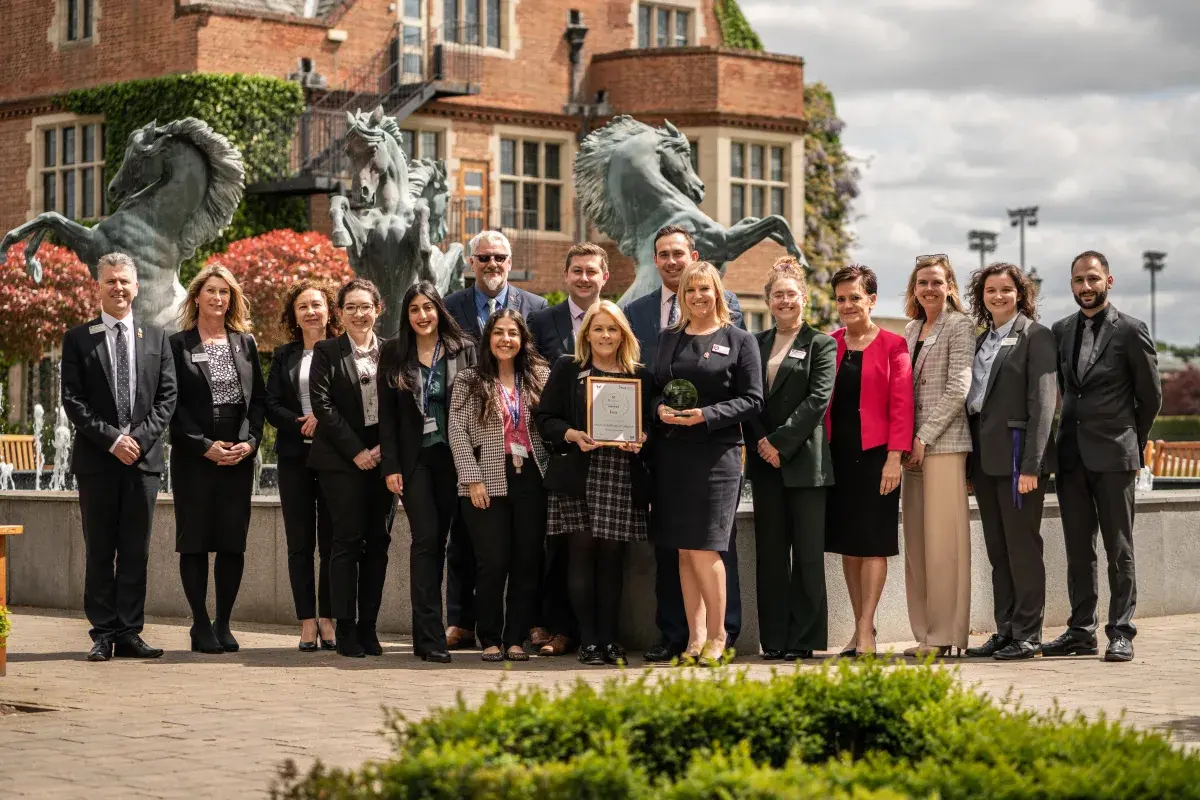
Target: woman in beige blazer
(937,542)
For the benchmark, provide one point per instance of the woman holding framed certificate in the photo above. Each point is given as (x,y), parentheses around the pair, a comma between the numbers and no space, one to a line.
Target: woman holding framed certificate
(593,414)
(500,462)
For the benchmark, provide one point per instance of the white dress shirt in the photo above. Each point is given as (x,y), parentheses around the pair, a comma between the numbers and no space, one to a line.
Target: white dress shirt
(110,339)
(305,368)
(665,307)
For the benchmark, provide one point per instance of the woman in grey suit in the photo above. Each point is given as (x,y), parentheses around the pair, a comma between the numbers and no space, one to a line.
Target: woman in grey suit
(933,495)
(1011,410)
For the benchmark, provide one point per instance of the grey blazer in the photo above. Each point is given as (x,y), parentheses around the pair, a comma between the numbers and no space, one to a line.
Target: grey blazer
(941,382)
(1021,394)
(478,448)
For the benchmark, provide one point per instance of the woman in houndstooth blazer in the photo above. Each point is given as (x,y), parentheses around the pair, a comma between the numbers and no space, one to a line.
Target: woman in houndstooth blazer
(500,459)
(937,542)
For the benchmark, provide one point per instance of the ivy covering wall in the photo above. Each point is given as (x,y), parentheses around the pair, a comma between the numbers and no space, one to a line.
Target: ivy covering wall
(735,29)
(256,113)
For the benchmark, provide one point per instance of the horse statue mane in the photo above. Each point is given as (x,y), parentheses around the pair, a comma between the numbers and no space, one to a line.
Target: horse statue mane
(591,173)
(427,180)
(227,177)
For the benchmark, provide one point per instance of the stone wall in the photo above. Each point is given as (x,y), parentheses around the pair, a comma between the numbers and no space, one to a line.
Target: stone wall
(46,569)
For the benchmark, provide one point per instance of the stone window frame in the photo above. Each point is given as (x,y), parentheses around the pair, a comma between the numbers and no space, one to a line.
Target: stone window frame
(565,182)
(655,10)
(406,49)
(83,31)
(420,137)
(505,43)
(743,182)
(39,169)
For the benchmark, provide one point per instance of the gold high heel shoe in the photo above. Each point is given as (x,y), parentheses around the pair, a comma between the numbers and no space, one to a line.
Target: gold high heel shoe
(713,654)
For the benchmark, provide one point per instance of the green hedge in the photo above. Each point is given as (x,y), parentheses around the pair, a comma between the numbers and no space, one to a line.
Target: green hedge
(1176,429)
(256,113)
(867,731)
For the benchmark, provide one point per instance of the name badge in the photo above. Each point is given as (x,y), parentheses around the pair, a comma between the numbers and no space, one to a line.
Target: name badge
(800,354)
(930,340)
(1008,341)
(720,349)
(198,357)
(519,451)
(583,373)
(430,425)
(97,328)
(139,334)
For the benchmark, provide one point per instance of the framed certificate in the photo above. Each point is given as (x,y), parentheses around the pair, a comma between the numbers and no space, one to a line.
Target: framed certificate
(614,410)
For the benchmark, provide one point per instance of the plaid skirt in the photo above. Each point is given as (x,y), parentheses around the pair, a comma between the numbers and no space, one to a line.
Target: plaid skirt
(607,509)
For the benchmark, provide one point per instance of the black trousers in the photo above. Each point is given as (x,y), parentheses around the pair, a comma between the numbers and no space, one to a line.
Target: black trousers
(557,613)
(789,533)
(1104,500)
(595,576)
(431,502)
(309,529)
(508,539)
(358,555)
(118,512)
(1013,538)
(671,617)
(460,576)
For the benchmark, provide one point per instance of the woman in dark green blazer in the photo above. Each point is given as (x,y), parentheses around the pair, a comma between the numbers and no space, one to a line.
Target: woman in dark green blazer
(787,461)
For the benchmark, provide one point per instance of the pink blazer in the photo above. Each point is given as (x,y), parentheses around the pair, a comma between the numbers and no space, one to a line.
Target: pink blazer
(886,402)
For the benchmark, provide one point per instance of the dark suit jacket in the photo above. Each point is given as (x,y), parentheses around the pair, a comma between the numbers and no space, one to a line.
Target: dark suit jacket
(730,386)
(192,425)
(564,406)
(793,416)
(552,332)
(283,398)
(1021,394)
(87,397)
(336,397)
(401,421)
(461,305)
(1106,417)
(645,318)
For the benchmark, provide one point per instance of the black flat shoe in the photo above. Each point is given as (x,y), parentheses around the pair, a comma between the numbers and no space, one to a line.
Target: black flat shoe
(368,640)
(436,657)
(662,654)
(225,636)
(614,654)
(1017,650)
(308,647)
(797,655)
(516,655)
(132,646)
(347,640)
(1070,645)
(590,656)
(772,655)
(497,656)
(204,640)
(102,650)
(993,645)
(1119,649)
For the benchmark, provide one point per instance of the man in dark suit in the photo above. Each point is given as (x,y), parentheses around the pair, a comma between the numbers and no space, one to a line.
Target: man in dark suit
(649,316)
(491,262)
(118,388)
(1108,377)
(554,331)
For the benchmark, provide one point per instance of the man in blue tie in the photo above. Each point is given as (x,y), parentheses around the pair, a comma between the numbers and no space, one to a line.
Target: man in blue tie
(649,315)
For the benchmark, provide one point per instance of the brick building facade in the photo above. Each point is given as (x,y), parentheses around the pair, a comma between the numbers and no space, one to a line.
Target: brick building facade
(509,143)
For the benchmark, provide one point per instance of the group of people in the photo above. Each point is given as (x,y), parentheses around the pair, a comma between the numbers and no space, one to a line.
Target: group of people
(474,416)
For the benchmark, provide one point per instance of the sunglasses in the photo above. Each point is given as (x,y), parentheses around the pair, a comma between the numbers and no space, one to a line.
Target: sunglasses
(933,257)
(487,258)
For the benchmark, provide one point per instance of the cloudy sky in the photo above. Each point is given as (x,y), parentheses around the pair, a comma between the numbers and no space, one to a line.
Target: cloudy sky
(960,109)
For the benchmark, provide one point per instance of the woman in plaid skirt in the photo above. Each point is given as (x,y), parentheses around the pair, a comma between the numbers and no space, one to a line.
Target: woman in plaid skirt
(599,495)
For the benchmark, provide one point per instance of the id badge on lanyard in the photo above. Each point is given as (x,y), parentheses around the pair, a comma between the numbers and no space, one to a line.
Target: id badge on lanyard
(431,424)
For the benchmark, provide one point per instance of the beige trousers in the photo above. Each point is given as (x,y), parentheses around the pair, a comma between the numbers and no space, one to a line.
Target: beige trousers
(937,550)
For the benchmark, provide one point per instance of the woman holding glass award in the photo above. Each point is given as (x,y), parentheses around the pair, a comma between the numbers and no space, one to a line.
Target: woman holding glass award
(500,462)
(593,412)
(711,375)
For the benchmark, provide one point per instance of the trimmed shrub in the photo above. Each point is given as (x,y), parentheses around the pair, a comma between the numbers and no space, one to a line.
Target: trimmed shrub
(1176,429)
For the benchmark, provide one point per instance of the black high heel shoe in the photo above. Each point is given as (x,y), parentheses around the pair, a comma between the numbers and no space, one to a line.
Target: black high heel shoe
(308,647)
(368,639)
(225,636)
(204,640)
(347,639)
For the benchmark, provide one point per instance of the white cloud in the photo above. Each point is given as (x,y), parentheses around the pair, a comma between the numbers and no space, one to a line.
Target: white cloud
(963,108)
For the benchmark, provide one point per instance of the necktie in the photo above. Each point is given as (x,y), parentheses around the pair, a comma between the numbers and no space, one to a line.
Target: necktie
(491,306)
(124,413)
(673,313)
(1086,345)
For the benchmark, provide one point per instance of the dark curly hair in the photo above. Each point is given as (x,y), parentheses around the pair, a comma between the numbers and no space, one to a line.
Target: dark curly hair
(1026,291)
(287,320)
(481,381)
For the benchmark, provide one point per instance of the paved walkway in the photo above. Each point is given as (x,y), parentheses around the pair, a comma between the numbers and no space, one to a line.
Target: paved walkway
(217,726)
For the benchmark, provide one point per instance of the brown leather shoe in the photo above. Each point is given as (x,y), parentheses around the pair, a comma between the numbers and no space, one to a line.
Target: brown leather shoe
(557,646)
(539,637)
(459,638)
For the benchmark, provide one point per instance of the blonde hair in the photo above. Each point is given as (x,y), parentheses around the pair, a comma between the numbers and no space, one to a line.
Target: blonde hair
(627,354)
(786,267)
(702,270)
(912,307)
(237,316)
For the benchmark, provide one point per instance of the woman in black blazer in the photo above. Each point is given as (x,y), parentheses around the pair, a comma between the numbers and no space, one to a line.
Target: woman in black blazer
(417,371)
(788,465)
(346,455)
(216,429)
(698,457)
(1010,409)
(307,319)
(599,496)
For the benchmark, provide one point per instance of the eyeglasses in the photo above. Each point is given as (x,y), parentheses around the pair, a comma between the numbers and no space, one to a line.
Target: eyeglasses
(487,258)
(933,257)
(353,310)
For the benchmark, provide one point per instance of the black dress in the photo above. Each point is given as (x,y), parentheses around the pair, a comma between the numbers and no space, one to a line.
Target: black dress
(859,521)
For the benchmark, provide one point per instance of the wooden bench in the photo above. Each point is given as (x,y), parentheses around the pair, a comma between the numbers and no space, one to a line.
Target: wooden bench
(5,532)
(18,450)
(1173,459)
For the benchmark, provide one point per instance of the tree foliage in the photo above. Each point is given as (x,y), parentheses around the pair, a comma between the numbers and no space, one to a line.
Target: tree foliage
(735,28)
(267,265)
(1181,393)
(36,315)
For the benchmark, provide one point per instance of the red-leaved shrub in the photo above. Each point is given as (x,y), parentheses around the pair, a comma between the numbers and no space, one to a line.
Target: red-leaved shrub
(1181,392)
(36,315)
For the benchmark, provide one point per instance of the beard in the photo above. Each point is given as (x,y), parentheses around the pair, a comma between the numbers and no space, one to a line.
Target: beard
(1096,302)
(493,282)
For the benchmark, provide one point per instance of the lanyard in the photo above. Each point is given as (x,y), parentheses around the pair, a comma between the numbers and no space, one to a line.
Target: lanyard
(514,407)
(437,353)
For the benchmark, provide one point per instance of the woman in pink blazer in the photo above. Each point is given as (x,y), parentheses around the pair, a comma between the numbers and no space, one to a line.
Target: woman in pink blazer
(870,424)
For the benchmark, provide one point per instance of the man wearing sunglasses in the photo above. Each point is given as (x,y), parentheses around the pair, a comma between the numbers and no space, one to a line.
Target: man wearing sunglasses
(491,261)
